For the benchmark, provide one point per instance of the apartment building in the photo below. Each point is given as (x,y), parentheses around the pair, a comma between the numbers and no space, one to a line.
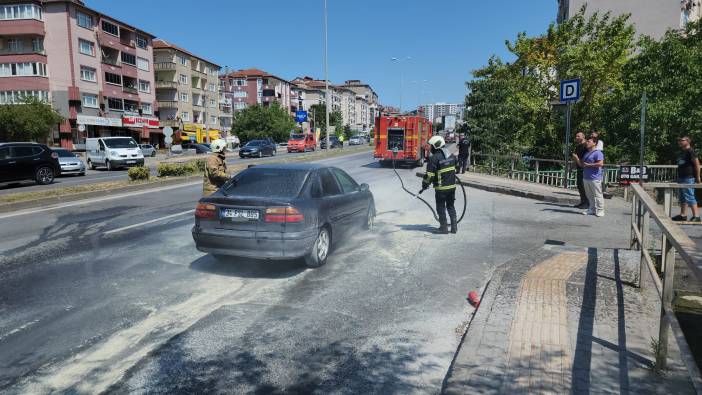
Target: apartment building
(187,89)
(651,17)
(95,70)
(249,87)
(366,104)
(434,112)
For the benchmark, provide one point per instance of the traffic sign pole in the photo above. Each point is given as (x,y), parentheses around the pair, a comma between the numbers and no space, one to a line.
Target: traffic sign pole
(566,151)
(569,93)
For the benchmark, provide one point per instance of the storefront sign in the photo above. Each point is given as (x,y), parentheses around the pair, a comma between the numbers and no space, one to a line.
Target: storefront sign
(138,122)
(99,121)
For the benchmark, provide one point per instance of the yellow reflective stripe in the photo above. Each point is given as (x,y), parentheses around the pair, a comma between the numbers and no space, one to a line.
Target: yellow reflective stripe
(447,169)
(445,188)
(430,174)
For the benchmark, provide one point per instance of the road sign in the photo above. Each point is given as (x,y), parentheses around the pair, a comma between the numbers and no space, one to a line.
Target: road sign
(81,128)
(168,131)
(632,174)
(301,116)
(570,90)
(168,140)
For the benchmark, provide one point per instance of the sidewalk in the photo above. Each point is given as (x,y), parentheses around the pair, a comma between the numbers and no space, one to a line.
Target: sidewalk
(561,319)
(520,188)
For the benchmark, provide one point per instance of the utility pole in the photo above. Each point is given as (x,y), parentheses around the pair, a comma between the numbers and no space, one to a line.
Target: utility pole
(644,101)
(326,70)
(402,77)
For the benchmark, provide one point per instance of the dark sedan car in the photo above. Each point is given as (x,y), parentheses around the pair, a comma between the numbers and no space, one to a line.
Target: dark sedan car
(257,149)
(334,142)
(283,211)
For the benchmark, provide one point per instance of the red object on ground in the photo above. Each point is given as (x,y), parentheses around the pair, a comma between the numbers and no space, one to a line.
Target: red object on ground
(474,299)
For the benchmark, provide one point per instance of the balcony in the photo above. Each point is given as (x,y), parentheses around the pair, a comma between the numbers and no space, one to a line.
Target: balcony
(170,66)
(167,104)
(198,73)
(199,104)
(22,27)
(170,122)
(130,89)
(166,85)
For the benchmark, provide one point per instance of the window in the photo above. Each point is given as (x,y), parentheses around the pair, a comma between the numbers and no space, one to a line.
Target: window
(265,81)
(110,28)
(185,116)
(115,104)
(131,106)
(144,86)
(142,42)
(14,45)
(206,70)
(240,82)
(4,152)
(184,97)
(280,183)
(240,94)
(12,97)
(239,106)
(23,69)
(329,185)
(38,45)
(213,119)
(19,152)
(213,103)
(114,79)
(182,60)
(212,87)
(146,108)
(88,74)
(143,64)
(16,11)
(347,183)
(128,59)
(86,47)
(183,79)
(84,20)
(90,100)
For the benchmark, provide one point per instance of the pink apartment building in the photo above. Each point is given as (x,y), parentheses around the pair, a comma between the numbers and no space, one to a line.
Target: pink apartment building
(253,86)
(96,71)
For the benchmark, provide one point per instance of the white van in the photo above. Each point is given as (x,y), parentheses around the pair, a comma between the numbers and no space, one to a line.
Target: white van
(113,152)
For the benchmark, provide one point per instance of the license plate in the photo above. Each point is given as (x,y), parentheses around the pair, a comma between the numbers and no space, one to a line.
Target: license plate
(129,162)
(240,214)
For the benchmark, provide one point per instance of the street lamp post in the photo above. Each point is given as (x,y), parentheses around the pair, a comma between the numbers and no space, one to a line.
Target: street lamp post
(402,76)
(326,70)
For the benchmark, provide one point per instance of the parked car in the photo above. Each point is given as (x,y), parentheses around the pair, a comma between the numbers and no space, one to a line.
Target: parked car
(113,152)
(28,161)
(357,140)
(301,143)
(257,148)
(148,150)
(283,211)
(334,142)
(200,148)
(70,163)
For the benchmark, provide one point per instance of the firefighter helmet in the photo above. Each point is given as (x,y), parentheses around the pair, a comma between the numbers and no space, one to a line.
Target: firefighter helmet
(437,142)
(218,145)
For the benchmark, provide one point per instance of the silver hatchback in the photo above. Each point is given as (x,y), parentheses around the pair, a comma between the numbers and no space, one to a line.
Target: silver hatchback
(70,163)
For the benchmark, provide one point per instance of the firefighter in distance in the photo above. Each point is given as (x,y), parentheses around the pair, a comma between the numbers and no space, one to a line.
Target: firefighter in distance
(441,173)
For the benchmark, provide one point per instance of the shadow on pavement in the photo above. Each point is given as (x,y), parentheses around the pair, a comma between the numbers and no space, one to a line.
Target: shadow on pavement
(555,210)
(248,268)
(418,228)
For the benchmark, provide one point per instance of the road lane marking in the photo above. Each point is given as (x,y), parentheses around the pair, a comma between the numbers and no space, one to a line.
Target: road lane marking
(148,222)
(96,200)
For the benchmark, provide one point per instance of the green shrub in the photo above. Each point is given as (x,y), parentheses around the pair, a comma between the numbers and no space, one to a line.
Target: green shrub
(139,173)
(200,164)
(180,169)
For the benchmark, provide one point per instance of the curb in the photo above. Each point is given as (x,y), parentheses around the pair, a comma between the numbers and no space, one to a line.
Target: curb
(520,193)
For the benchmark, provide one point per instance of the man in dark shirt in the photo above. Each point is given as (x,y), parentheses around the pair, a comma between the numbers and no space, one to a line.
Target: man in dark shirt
(463,150)
(688,173)
(580,151)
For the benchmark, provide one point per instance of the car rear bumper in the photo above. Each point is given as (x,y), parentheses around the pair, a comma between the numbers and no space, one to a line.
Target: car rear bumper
(251,244)
(244,154)
(72,170)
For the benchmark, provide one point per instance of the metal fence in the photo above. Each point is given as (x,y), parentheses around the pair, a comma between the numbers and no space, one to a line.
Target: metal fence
(551,171)
(674,241)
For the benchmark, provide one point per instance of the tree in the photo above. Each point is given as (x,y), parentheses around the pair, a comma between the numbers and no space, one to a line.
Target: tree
(257,122)
(336,118)
(31,120)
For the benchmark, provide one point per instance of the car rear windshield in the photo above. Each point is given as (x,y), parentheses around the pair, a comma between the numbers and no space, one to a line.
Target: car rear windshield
(297,137)
(263,182)
(255,143)
(62,153)
(126,142)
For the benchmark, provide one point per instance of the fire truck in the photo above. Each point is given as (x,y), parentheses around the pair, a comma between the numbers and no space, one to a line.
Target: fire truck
(402,138)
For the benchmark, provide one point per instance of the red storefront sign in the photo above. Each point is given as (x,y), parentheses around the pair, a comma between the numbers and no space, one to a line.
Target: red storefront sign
(140,122)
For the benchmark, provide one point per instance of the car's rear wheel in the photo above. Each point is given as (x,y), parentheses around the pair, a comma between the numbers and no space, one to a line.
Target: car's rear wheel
(44,175)
(109,165)
(153,154)
(260,154)
(320,251)
(274,152)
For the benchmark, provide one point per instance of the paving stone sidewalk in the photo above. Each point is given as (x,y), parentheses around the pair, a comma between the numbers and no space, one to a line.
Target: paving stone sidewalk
(525,189)
(561,319)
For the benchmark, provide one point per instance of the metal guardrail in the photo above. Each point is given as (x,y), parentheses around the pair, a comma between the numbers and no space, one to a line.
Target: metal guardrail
(673,240)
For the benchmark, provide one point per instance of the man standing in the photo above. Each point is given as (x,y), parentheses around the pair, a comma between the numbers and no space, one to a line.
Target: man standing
(441,173)
(580,151)
(688,173)
(599,144)
(463,150)
(592,164)
(215,168)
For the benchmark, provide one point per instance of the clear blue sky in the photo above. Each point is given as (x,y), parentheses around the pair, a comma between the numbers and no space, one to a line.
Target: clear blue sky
(445,38)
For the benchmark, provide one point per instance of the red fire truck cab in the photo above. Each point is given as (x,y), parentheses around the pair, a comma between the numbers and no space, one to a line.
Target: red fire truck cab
(402,138)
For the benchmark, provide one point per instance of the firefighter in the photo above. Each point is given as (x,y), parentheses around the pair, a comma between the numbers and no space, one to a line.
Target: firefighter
(215,168)
(463,150)
(441,173)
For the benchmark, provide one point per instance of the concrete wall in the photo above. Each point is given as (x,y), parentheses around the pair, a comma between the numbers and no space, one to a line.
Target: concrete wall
(56,45)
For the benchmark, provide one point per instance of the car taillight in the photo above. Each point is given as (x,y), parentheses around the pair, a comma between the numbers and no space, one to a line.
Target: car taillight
(54,155)
(283,215)
(205,211)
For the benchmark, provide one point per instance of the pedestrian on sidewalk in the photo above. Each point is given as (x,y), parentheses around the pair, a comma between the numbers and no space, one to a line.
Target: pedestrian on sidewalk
(688,173)
(592,164)
(599,144)
(463,150)
(580,151)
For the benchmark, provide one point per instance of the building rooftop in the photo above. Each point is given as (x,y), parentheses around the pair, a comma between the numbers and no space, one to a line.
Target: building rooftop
(81,4)
(163,44)
(252,72)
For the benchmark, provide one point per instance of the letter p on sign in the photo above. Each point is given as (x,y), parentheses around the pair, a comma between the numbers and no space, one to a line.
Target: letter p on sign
(570,90)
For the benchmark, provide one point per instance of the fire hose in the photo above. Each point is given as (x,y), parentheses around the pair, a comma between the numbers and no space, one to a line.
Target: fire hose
(416,195)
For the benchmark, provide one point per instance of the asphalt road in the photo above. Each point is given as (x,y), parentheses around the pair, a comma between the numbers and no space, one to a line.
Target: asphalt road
(102,175)
(111,295)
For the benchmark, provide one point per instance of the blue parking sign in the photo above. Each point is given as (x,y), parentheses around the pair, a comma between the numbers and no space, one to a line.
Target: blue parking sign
(570,90)
(301,116)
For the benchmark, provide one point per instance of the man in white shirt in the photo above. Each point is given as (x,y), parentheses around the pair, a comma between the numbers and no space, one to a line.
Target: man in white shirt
(596,136)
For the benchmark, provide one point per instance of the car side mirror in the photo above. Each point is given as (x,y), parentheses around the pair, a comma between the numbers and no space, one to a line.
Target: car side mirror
(365,187)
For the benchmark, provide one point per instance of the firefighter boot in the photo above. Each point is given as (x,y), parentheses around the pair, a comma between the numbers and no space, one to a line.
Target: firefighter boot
(442,230)
(454,225)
